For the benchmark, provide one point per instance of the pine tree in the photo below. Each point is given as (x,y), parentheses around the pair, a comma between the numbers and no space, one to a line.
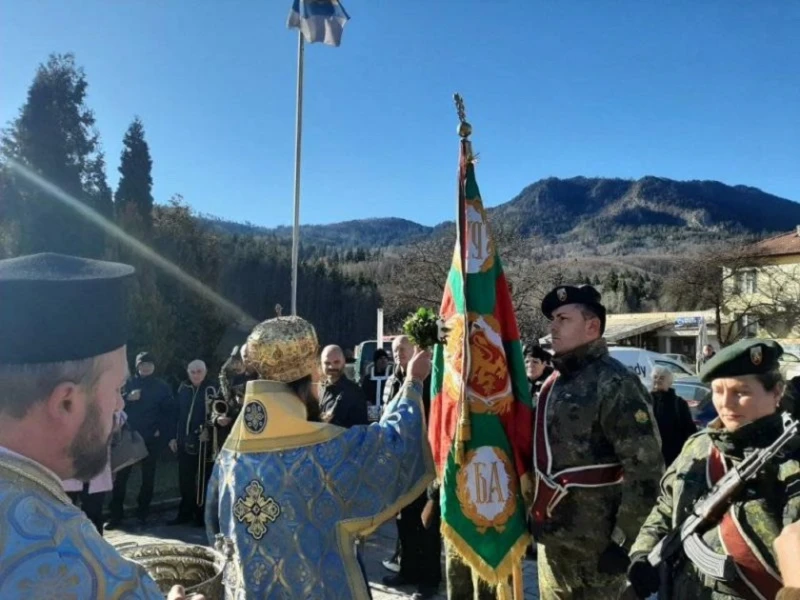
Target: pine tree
(134,197)
(54,136)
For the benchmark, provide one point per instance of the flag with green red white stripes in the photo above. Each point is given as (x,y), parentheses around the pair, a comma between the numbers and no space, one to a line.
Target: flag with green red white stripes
(481,422)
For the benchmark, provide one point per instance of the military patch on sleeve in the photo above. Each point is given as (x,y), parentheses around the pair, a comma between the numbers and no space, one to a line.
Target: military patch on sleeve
(641,417)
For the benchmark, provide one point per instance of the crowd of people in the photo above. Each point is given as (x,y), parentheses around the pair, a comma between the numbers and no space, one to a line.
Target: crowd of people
(295,464)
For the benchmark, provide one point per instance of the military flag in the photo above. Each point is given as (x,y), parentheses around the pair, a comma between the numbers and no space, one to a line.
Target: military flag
(481,423)
(319,20)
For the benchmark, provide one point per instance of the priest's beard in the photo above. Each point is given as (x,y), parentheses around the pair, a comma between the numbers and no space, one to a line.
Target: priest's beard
(89,449)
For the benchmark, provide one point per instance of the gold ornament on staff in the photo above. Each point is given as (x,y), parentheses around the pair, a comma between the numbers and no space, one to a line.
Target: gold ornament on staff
(464,430)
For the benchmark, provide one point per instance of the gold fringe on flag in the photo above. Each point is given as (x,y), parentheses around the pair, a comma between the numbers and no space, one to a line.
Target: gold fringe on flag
(505,571)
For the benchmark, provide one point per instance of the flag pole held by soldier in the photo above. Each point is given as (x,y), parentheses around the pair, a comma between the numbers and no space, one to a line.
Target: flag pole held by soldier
(481,421)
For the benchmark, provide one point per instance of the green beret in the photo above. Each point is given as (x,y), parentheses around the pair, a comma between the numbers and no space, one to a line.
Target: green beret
(746,357)
(574,294)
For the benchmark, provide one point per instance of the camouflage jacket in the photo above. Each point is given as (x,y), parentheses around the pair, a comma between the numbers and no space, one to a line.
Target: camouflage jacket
(599,413)
(767,504)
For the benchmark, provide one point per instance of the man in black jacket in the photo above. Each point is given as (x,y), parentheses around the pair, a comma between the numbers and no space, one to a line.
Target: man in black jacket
(419,540)
(373,382)
(192,442)
(672,415)
(342,401)
(148,405)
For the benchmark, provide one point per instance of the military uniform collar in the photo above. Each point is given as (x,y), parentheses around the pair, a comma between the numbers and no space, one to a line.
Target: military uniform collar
(580,357)
(20,466)
(758,434)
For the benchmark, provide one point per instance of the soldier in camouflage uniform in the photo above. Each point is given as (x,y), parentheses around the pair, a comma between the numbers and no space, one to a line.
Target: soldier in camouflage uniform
(747,387)
(597,455)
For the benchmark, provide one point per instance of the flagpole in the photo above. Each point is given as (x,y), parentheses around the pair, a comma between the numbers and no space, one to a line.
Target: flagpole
(297,147)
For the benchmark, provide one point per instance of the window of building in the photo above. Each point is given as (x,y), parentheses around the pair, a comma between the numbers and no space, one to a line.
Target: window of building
(746,281)
(749,326)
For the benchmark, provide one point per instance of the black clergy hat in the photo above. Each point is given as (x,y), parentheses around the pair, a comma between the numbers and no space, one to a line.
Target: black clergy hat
(57,308)
(144,357)
(574,294)
(746,357)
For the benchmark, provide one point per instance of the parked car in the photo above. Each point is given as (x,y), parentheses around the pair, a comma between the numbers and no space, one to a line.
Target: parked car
(364,353)
(698,396)
(789,365)
(683,360)
(642,362)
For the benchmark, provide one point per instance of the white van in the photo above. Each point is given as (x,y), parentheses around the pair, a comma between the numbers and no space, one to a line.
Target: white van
(642,362)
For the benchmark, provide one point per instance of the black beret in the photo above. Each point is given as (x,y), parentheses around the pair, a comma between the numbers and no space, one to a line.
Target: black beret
(57,308)
(574,294)
(746,357)
(536,351)
(144,357)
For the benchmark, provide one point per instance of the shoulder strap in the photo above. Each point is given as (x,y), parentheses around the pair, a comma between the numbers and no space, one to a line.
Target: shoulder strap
(757,579)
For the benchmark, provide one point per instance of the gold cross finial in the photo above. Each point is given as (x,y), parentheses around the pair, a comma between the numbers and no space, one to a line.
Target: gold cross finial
(464,128)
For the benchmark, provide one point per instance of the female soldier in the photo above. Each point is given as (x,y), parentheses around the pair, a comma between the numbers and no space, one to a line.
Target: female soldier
(746,387)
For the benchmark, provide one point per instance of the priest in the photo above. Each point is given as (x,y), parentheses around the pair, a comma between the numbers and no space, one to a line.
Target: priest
(295,494)
(62,366)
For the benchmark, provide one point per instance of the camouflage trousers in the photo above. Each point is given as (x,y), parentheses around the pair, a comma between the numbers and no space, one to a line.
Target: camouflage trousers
(462,583)
(564,576)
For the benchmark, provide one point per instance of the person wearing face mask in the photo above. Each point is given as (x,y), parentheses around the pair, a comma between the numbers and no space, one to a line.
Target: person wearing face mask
(294,493)
(597,455)
(746,386)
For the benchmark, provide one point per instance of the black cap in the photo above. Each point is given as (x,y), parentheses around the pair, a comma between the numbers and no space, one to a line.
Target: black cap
(746,357)
(536,351)
(380,353)
(56,308)
(144,357)
(572,294)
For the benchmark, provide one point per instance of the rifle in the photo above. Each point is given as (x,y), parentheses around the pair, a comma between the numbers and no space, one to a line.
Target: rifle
(706,513)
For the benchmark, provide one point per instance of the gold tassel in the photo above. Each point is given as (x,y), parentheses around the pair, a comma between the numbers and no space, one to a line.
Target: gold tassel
(464,431)
(518,579)
(503,592)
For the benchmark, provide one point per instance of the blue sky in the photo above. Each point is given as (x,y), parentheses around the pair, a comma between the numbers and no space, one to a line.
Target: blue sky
(621,88)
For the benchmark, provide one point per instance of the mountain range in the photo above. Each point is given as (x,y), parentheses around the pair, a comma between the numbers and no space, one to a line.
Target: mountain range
(582,215)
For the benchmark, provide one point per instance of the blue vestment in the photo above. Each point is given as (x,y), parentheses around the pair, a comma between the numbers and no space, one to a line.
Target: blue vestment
(295,496)
(50,549)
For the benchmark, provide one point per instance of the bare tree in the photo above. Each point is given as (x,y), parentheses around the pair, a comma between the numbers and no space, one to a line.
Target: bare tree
(748,293)
(419,274)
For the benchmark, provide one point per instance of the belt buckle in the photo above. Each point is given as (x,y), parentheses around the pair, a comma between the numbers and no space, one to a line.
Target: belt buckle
(560,493)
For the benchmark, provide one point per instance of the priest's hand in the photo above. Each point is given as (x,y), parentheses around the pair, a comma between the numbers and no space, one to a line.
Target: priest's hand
(419,367)
(178,593)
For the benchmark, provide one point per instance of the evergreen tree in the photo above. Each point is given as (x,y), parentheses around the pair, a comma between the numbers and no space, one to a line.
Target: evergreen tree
(54,136)
(134,197)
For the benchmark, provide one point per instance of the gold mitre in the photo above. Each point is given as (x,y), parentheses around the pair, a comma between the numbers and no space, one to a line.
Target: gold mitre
(282,349)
